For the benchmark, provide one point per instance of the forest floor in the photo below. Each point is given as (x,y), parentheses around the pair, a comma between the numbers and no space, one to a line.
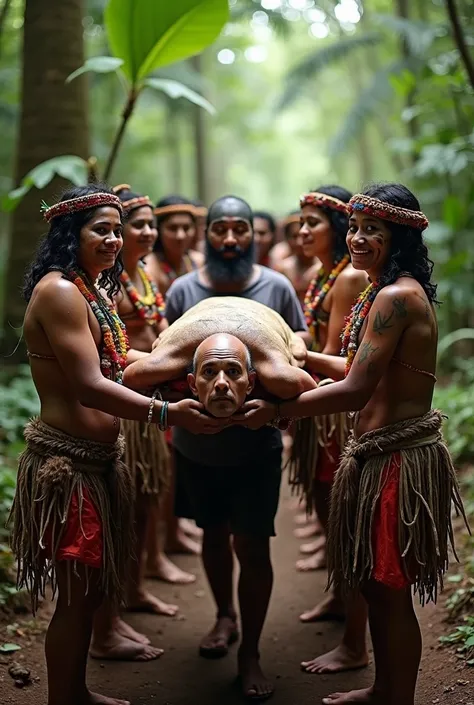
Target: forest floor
(180,677)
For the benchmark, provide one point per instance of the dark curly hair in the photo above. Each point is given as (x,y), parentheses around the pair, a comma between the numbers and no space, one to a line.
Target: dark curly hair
(160,219)
(58,248)
(408,252)
(339,221)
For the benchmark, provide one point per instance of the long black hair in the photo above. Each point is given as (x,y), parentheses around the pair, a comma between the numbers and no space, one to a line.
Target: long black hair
(408,252)
(339,221)
(160,219)
(58,248)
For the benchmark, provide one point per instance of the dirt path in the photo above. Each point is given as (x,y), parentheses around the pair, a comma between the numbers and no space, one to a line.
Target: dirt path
(180,677)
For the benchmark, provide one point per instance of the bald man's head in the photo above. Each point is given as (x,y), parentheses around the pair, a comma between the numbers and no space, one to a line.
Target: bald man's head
(230,249)
(222,375)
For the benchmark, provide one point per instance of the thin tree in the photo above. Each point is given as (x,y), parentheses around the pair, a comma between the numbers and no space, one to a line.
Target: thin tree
(53,122)
(460,40)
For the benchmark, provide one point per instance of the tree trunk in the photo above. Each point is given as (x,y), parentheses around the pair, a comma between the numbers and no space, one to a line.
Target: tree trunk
(403,11)
(53,122)
(3,20)
(199,130)
(460,40)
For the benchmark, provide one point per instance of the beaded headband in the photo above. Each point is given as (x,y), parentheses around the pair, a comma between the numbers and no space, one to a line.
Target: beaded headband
(386,211)
(177,208)
(93,200)
(323,200)
(137,203)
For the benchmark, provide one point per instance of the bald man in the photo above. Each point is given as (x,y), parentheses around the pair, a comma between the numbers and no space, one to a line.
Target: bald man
(222,375)
(232,479)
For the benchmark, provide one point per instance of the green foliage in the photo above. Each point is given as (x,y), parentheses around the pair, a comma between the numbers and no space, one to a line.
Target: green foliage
(68,166)
(175,89)
(97,64)
(147,34)
(463,638)
(456,400)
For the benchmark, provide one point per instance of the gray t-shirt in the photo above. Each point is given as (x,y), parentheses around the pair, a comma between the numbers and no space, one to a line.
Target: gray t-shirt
(234,445)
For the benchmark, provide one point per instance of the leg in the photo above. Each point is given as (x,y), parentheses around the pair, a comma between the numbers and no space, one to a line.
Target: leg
(138,598)
(255,588)
(352,652)
(218,561)
(68,638)
(158,564)
(332,606)
(110,643)
(176,539)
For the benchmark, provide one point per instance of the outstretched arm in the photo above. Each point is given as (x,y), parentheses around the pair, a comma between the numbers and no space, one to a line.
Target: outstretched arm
(388,319)
(64,318)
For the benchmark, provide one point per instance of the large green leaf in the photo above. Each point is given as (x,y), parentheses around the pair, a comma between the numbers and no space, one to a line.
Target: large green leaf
(97,64)
(307,70)
(175,89)
(455,337)
(148,34)
(70,167)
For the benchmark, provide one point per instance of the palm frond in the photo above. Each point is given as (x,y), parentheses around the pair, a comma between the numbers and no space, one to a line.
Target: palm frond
(370,99)
(308,69)
(419,36)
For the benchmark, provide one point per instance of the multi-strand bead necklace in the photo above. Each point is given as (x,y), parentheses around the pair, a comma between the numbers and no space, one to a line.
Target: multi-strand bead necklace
(317,292)
(354,323)
(150,306)
(115,345)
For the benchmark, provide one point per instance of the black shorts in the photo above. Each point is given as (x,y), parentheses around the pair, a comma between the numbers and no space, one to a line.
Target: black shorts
(244,496)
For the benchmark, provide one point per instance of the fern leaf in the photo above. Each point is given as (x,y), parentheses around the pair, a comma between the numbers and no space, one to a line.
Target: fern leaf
(419,36)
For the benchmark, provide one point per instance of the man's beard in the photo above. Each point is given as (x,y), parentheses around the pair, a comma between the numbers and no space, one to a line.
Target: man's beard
(236,269)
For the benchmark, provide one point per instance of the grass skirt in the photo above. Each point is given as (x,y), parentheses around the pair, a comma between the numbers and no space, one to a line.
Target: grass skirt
(54,468)
(146,453)
(427,487)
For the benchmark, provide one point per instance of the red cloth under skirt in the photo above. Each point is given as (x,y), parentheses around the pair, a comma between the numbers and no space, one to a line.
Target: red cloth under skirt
(82,538)
(388,565)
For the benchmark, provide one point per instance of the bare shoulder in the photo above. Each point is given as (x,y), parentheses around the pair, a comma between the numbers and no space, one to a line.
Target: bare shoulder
(351,282)
(313,271)
(56,295)
(405,296)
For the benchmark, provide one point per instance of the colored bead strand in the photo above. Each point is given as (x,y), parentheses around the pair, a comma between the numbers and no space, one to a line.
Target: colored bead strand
(150,307)
(317,292)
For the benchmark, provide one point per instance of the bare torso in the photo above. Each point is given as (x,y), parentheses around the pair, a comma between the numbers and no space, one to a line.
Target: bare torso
(141,334)
(300,273)
(59,404)
(403,393)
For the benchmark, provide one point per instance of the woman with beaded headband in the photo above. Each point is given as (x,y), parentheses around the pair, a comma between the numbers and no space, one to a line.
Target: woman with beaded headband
(328,300)
(299,268)
(390,523)
(172,254)
(141,307)
(71,515)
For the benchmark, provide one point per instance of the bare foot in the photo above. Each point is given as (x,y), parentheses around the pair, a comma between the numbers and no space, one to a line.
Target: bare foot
(255,686)
(222,635)
(307,531)
(96,699)
(117,648)
(146,602)
(128,632)
(183,544)
(190,529)
(313,546)
(366,695)
(331,608)
(335,661)
(315,562)
(164,569)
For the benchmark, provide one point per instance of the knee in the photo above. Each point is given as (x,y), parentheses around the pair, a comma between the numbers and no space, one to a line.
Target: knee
(252,552)
(216,538)
(386,599)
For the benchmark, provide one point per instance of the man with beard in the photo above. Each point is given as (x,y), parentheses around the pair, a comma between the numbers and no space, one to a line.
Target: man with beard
(251,459)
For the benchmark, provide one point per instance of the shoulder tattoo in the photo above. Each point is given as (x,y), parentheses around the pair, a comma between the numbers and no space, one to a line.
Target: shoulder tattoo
(366,351)
(400,306)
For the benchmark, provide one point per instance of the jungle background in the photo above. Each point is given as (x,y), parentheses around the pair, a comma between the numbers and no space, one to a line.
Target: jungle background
(293,93)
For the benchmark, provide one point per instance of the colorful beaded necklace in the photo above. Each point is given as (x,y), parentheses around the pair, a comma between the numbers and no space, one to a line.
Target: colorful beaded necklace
(317,292)
(173,274)
(151,306)
(115,345)
(354,323)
